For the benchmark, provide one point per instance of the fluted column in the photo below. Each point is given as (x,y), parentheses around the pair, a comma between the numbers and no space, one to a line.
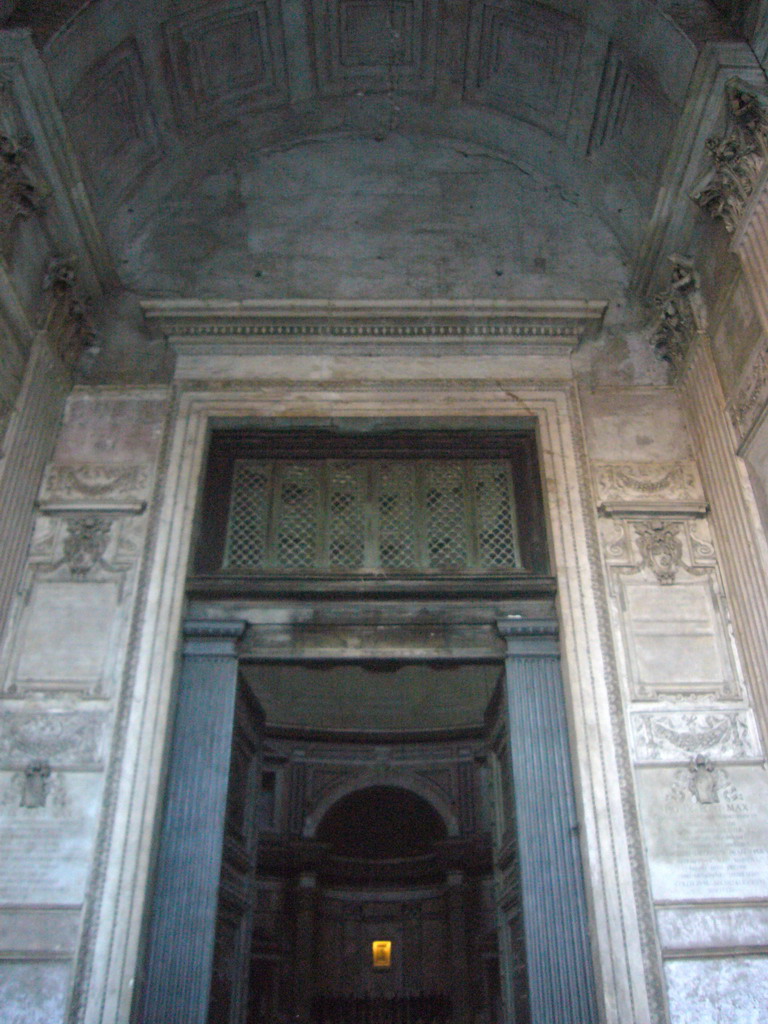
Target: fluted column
(560,976)
(182,931)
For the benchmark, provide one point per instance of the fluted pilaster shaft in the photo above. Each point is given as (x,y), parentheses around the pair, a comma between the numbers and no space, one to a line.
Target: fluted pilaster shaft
(560,975)
(182,932)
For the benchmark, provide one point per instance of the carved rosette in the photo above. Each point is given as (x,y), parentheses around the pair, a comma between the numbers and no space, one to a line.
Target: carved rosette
(679,314)
(68,321)
(738,156)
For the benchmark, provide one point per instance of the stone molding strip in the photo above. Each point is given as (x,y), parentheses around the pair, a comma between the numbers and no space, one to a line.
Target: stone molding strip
(199,327)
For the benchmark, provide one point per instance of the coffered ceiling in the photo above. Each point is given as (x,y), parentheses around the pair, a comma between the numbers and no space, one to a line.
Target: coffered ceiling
(373,148)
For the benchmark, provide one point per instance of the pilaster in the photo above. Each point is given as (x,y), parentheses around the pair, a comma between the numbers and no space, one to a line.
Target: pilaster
(182,931)
(561,982)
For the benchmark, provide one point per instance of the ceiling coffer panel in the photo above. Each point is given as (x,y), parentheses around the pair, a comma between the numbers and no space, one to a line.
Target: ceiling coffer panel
(375,45)
(114,121)
(223,60)
(633,119)
(523,60)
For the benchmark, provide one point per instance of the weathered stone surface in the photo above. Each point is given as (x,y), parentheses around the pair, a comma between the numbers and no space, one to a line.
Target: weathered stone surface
(706,831)
(33,993)
(712,991)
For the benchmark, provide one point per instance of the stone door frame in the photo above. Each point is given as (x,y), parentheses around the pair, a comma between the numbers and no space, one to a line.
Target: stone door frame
(623,933)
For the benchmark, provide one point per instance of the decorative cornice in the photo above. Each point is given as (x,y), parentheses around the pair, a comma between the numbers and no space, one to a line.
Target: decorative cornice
(198,327)
(738,156)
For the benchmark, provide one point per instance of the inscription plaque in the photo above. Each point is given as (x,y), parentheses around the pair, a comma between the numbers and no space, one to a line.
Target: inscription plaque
(714,850)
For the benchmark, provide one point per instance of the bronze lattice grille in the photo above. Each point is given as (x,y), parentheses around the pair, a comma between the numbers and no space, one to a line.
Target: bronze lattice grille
(345,515)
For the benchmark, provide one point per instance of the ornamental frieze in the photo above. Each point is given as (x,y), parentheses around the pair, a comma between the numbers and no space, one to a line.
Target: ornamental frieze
(679,735)
(620,484)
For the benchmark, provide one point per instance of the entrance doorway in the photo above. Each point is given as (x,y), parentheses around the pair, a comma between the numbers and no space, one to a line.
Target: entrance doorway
(401,562)
(376,884)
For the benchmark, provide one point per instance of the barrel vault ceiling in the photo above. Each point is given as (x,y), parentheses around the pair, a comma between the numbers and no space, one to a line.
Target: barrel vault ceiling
(373,148)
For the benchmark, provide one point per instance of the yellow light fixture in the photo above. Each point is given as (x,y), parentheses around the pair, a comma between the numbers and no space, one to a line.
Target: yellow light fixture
(382,955)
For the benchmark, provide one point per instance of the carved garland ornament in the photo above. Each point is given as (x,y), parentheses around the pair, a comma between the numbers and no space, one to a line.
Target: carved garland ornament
(738,156)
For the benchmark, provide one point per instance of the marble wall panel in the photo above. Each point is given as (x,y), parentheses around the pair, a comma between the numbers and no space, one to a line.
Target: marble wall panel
(108,428)
(67,639)
(667,603)
(33,993)
(675,639)
(38,931)
(734,926)
(635,425)
(718,991)
(47,849)
(705,830)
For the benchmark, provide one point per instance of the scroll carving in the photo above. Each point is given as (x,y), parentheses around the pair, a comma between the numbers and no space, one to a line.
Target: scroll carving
(738,156)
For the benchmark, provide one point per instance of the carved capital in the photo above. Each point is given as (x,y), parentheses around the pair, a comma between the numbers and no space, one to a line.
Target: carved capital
(737,157)
(68,321)
(679,315)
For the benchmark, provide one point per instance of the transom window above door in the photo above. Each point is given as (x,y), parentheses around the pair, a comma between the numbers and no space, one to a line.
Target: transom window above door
(400,503)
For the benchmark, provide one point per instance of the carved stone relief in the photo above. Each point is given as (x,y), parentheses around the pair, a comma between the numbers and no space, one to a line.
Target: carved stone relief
(70,740)
(67,322)
(705,783)
(680,314)
(93,484)
(679,735)
(752,394)
(22,191)
(36,787)
(737,156)
(659,482)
